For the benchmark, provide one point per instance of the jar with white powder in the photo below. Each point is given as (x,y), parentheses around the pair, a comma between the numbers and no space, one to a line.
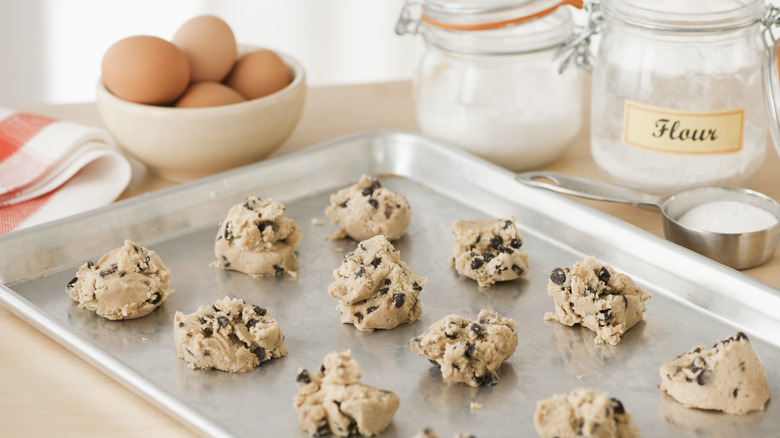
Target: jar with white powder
(488,83)
(678,92)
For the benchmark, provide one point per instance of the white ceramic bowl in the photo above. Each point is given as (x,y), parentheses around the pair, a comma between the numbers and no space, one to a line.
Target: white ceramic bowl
(181,144)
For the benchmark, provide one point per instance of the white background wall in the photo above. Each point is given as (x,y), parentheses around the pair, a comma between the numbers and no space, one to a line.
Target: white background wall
(50,50)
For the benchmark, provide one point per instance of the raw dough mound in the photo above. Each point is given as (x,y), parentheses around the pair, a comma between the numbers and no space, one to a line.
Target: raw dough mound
(332,400)
(583,413)
(429,433)
(127,282)
(255,238)
(729,377)
(488,250)
(375,288)
(595,296)
(468,351)
(367,209)
(230,336)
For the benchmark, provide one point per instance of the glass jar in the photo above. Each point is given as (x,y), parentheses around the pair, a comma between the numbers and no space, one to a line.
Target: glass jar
(677,93)
(487,81)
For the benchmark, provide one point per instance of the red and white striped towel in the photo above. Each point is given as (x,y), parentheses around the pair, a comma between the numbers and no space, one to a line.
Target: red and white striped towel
(53,168)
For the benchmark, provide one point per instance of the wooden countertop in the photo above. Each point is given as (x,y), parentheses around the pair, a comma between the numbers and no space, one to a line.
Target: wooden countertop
(46,390)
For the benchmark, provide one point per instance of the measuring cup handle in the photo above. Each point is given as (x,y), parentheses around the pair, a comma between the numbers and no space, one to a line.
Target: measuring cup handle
(572,185)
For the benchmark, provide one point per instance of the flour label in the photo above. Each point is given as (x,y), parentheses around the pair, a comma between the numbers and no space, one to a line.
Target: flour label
(683,132)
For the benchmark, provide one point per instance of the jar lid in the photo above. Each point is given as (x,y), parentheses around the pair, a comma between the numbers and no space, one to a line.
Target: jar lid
(487,14)
(686,15)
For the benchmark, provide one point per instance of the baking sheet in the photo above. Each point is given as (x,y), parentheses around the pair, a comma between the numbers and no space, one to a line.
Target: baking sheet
(695,301)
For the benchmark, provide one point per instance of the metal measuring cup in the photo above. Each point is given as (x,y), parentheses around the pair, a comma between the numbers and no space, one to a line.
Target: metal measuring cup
(736,250)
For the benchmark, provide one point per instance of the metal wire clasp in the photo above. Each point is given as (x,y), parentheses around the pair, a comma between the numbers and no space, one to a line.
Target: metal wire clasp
(407,23)
(578,46)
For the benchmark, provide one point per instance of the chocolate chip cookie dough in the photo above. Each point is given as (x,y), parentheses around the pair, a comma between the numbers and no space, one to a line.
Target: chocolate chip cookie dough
(583,413)
(593,295)
(127,282)
(257,239)
(729,377)
(488,250)
(366,209)
(467,351)
(230,336)
(375,288)
(332,400)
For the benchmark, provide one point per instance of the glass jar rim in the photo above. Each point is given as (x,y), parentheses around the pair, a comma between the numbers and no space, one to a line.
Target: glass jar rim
(467,15)
(686,15)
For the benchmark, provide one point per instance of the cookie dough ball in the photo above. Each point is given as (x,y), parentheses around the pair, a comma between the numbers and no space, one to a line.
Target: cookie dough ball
(375,288)
(488,250)
(468,351)
(126,283)
(729,377)
(332,400)
(583,413)
(367,209)
(257,239)
(593,295)
(230,336)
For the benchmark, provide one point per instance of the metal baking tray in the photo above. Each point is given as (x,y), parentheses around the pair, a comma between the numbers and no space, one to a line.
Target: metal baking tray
(695,301)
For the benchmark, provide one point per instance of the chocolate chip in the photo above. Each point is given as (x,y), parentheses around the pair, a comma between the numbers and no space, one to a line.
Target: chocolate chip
(323,429)
(303,377)
(507,224)
(384,290)
(251,323)
(362,247)
(90,265)
(698,364)
(604,275)
(740,336)
(388,211)
(360,272)
(156,298)
(278,269)
(558,276)
(374,203)
(605,315)
(367,192)
(469,350)
(207,332)
(517,269)
(361,302)
(72,282)
(265,224)
(705,377)
(223,321)
(371,310)
(387,281)
(617,406)
(375,184)
(625,301)
(322,368)
(228,231)
(259,352)
(736,390)
(376,262)
(181,324)
(515,243)
(478,239)
(225,262)
(206,353)
(495,241)
(478,330)
(343,204)
(259,310)
(488,379)
(248,206)
(109,271)
(506,249)
(416,286)
(488,256)
(477,263)
(399,299)
(122,274)
(359,316)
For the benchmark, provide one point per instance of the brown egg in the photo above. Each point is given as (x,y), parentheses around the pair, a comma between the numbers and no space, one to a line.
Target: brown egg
(258,74)
(203,94)
(146,69)
(210,47)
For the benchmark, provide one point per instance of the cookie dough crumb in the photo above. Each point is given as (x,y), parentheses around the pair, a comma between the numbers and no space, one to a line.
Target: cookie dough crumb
(583,413)
(126,283)
(230,336)
(257,239)
(317,222)
(488,250)
(332,400)
(467,351)
(580,376)
(429,433)
(366,209)
(593,295)
(474,406)
(729,377)
(375,288)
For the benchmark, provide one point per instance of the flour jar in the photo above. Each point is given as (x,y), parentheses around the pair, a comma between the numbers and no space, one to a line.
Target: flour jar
(487,81)
(678,92)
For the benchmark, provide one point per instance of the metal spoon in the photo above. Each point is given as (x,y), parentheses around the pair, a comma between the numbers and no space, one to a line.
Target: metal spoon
(736,250)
